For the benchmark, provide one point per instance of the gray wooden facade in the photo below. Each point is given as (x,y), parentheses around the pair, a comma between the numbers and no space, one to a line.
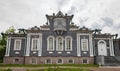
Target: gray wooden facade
(56,30)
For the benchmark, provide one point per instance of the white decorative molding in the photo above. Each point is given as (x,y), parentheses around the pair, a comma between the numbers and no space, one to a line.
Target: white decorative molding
(59,52)
(73,29)
(28,45)
(8,46)
(15,44)
(83,41)
(32,48)
(50,52)
(85,52)
(45,29)
(78,45)
(57,43)
(40,45)
(101,38)
(68,52)
(17,52)
(48,49)
(111,47)
(91,44)
(34,52)
(70,43)
(102,48)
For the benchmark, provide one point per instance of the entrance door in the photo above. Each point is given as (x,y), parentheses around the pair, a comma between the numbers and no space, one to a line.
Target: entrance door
(102,48)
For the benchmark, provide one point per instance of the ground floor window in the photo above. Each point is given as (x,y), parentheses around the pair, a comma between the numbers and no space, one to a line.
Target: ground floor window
(16,60)
(70,61)
(59,61)
(85,61)
(48,61)
(33,61)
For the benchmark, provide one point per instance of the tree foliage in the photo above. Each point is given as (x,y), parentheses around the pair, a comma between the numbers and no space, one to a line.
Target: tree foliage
(3,41)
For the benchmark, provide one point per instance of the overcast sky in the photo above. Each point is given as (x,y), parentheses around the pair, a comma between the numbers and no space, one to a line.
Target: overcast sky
(102,14)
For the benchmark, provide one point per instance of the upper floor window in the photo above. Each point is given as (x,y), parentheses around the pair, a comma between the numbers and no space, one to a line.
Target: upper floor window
(50,43)
(68,43)
(34,43)
(59,44)
(17,44)
(84,44)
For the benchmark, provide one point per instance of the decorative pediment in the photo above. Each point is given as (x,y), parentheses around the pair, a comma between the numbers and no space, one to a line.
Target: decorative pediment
(59,14)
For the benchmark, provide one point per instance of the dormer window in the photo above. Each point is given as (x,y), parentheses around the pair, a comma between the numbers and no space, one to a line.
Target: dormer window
(59,25)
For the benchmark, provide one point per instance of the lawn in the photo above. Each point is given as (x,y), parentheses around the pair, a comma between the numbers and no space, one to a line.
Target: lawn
(52,69)
(47,65)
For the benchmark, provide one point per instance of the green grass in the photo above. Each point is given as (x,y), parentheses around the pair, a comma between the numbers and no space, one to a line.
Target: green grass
(60,69)
(47,65)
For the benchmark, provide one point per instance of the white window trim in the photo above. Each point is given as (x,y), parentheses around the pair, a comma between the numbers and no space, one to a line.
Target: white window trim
(48,63)
(32,44)
(70,59)
(57,43)
(70,43)
(59,63)
(15,44)
(48,43)
(86,45)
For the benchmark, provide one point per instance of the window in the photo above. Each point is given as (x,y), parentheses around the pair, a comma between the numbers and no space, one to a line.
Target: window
(85,61)
(50,43)
(70,61)
(59,23)
(16,60)
(84,44)
(68,43)
(48,61)
(59,61)
(17,44)
(33,61)
(34,43)
(59,44)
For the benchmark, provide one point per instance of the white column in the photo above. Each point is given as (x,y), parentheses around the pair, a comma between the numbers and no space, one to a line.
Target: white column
(91,45)
(78,45)
(40,45)
(8,47)
(28,45)
(112,48)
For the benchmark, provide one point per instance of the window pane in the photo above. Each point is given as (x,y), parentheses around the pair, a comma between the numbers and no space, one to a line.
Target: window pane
(51,44)
(68,44)
(35,41)
(60,44)
(17,44)
(84,43)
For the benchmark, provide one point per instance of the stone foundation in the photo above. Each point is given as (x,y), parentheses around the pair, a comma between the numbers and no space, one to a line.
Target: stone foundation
(42,60)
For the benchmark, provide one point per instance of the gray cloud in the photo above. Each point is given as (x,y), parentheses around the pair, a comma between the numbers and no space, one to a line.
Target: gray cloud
(103,14)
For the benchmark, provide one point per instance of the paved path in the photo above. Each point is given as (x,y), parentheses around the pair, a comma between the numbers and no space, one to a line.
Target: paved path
(91,68)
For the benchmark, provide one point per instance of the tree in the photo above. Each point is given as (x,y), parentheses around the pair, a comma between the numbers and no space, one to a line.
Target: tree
(3,41)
